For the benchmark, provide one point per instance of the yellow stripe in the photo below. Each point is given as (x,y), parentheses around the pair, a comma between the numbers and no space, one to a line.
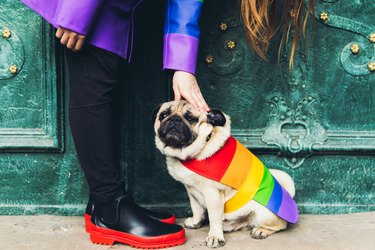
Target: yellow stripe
(239,167)
(249,187)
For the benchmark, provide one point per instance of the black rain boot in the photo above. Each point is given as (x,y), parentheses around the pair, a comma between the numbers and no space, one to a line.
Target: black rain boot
(161,216)
(123,221)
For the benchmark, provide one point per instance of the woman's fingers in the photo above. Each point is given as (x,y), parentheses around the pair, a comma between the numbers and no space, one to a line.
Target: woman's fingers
(185,85)
(59,33)
(198,101)
(177,93)
(188,97)
(198,97)
(72,42)
(79,44)
(202,101)
(71,39)
(65,38)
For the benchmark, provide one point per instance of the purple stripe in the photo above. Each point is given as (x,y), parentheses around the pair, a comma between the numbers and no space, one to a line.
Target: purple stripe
(110,29)
(274,202)
(77,15)
(46,9)
(180,52)
(288,210)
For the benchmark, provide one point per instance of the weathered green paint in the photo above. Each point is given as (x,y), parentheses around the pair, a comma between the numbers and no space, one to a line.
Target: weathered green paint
(317,122)
(30,116)
(39,171)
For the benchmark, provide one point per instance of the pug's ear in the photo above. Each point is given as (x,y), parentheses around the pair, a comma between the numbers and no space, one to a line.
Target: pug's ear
(156,110)
(216,118)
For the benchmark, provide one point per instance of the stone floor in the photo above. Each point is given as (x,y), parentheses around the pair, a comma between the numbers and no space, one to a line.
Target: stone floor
(351,231)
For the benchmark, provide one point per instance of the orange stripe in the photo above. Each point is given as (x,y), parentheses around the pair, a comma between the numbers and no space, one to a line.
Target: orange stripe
(249,187)
(239,167)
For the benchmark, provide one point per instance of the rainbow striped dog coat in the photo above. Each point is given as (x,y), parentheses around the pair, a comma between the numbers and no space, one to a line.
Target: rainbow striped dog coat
(235,166)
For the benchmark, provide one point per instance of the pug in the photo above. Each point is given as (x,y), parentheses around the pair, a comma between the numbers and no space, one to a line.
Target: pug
(197,146)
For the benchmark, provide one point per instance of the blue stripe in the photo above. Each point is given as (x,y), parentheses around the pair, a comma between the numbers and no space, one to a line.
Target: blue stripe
(276,198)
(182,17)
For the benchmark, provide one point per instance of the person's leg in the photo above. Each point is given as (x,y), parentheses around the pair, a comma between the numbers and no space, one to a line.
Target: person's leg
(94,82)
(94,79)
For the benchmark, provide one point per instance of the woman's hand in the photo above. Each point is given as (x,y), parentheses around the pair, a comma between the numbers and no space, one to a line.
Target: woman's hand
(71,39)
(185,86)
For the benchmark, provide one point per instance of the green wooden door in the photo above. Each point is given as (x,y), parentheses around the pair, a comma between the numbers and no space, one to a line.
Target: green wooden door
(316,122)
(39,172)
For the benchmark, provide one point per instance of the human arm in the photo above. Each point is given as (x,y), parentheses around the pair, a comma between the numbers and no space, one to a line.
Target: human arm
(185,86)
(181,41)
(74,20)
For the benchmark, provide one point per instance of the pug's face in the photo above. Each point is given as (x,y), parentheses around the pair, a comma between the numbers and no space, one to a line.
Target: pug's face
(178,126)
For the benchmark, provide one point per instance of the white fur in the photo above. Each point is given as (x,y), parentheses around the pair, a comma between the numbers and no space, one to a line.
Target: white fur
(206,194)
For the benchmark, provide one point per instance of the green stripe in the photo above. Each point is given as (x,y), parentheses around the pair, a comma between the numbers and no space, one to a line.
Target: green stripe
(265,188)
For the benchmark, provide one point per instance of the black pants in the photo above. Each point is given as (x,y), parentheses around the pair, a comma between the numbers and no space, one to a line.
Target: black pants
(95,90)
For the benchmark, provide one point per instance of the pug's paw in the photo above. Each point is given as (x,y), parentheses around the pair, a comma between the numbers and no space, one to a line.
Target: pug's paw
(205,129)
(190,223)
(214,241)
(260,233)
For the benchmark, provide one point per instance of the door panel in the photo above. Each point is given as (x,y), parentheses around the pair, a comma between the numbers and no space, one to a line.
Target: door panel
(315,121)
(39,171)
(29,90)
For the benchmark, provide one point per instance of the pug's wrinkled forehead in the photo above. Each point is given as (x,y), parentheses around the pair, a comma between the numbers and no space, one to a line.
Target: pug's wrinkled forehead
(179,107)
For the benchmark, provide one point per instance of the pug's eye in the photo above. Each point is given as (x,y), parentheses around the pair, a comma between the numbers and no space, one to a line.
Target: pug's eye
(191,119)
(163,115)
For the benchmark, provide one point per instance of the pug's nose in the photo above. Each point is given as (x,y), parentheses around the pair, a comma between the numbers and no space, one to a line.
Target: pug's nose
(175,119)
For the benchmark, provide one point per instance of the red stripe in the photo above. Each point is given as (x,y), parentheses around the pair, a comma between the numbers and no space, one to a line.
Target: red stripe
(214,167)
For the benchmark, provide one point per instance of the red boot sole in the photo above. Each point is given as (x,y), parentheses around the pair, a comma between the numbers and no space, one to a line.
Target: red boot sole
(88,223)
(106,236)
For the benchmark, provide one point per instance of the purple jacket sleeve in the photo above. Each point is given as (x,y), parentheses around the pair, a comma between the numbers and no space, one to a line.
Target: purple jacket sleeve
(77,15)
(181,35)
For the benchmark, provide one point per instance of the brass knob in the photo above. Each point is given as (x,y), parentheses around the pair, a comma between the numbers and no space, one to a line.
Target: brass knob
(354,48)
(13,69)
(371,37)
(209,59)
(223,26)
(292,13)
(371,66)
(6,33)
(231,44)
(323,16)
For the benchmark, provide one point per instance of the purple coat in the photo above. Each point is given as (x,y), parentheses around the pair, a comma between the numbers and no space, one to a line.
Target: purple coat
(114,18)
